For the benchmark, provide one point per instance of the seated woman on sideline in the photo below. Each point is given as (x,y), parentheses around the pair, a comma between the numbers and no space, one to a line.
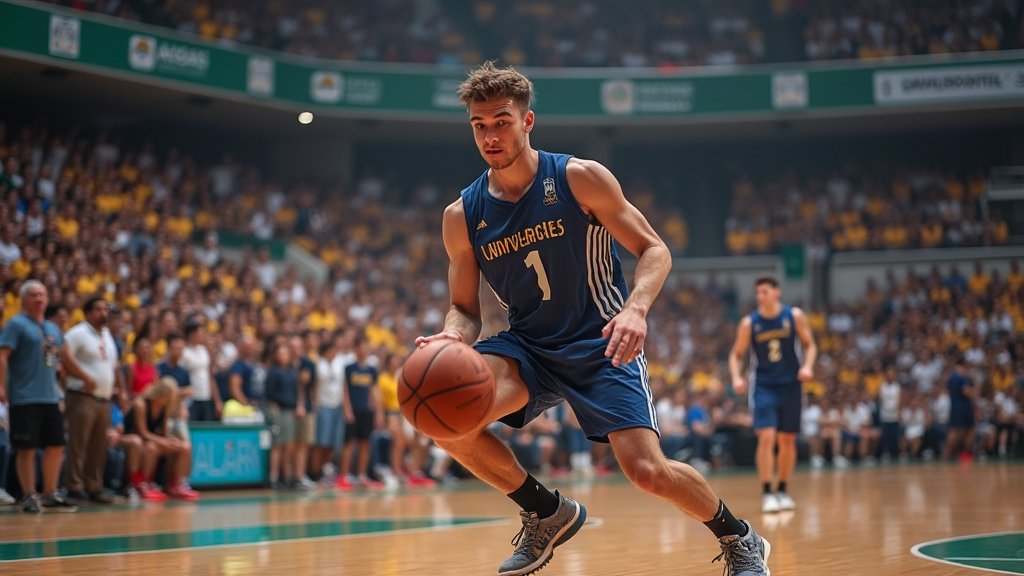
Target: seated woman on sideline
(147,420)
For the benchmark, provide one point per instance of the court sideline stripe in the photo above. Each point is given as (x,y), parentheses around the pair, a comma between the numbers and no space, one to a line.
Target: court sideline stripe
(471,524)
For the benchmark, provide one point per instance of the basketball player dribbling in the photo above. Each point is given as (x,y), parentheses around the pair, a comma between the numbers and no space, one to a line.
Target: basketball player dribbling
(777,397)
(540,227)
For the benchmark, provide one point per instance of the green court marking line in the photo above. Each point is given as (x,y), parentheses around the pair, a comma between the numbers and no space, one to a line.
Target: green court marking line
(1001,552)
(990,559)
(220,537)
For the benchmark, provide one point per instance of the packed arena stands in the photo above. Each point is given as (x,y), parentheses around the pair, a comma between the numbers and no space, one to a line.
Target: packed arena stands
(862,208)
(97,213)
(555,33)
(880,28)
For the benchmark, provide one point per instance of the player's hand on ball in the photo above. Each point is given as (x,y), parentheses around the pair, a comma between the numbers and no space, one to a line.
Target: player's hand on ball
(446,334)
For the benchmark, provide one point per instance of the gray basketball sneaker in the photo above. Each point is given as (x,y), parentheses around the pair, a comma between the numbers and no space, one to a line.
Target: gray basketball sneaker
(535,544)
(746,556)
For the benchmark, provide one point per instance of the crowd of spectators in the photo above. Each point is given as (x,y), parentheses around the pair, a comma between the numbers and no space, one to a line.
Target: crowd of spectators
(861,208)
(96,216)
(542,33)
(92,216)
(555,33)
(869,29)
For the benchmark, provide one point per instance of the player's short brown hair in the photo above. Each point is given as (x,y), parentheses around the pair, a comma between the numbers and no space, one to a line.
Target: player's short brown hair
(488,82)
(769,280)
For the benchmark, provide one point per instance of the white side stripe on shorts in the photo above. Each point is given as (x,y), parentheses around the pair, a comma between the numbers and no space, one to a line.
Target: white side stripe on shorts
(641,361)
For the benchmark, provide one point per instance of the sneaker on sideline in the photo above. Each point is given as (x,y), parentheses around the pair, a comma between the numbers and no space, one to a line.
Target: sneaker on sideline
(148,493)
(30,504)
(343,484)
(183,492)
(56,503)
(785,501)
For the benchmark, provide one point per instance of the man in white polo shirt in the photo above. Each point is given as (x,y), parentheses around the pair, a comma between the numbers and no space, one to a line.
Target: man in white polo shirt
(88,406)
(206,403)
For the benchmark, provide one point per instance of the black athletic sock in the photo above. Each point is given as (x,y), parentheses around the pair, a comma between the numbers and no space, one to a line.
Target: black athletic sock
(782,487)
(767,487)
(725,524)
(532,496)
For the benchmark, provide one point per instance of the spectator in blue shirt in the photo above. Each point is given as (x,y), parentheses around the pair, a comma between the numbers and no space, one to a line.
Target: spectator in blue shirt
(177,422)
(30,349)
(241,383)
(282,390)
(364,396)
(698,420)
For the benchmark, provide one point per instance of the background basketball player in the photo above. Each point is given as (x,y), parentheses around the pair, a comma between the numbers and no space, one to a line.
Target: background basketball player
(778,394)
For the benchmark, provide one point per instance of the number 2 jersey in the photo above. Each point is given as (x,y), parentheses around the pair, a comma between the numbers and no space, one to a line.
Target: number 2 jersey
(555,269)
(774,343)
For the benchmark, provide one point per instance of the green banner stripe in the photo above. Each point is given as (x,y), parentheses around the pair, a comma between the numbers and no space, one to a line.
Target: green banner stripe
(42,549)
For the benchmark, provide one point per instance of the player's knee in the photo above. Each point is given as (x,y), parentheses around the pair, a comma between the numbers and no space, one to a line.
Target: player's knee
(786,440)
(647,474)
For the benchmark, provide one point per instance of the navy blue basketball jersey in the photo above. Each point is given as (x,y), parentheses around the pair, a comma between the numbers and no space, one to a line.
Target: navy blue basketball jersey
(555,269)
(774,343)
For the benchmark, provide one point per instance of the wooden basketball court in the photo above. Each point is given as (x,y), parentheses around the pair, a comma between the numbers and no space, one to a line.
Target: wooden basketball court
(858,521)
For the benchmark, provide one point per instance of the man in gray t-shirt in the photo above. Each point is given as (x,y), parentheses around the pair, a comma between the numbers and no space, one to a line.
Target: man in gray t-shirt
(30,348)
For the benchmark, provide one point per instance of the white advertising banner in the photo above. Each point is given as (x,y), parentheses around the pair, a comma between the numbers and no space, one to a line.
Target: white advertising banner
(948,84)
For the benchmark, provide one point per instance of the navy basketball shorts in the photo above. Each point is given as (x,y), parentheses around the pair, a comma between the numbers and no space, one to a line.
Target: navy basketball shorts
(777,406)
(605,398)
(961,417)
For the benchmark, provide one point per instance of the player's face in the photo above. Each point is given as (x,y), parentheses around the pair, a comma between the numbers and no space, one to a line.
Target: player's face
(501,131)
(767,295)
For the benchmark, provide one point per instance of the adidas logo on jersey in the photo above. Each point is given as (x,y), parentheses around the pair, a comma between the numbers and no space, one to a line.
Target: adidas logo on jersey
(482,224)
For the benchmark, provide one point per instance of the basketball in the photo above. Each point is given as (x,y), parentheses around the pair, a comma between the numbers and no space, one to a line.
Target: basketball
(446,389)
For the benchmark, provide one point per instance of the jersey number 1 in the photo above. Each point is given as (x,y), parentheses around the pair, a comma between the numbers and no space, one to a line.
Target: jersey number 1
(533,261)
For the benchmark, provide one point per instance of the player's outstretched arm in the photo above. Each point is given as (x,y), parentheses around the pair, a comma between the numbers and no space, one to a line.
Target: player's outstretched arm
(807,343)
(463,320)
(738,354)
(600,195)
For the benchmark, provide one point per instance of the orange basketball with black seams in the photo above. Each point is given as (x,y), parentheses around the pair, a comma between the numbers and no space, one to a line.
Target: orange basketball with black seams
(446,389)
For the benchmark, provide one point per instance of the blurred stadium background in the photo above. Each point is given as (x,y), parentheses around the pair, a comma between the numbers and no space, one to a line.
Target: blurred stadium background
(869,153)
